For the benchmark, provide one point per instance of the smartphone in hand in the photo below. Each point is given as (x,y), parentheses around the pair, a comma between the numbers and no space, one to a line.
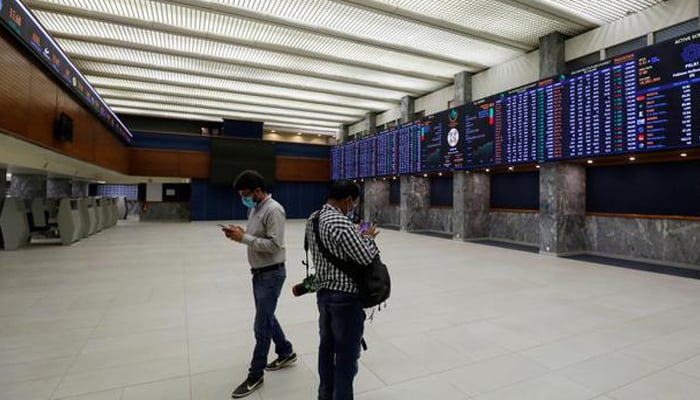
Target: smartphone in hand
(224,227)
(364,226)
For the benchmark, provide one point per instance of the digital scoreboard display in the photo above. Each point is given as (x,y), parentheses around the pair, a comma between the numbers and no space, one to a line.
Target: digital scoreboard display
(350,164)
(647,100)
(387,153)
(367,157)
(479,132)
(337,163)
(409,151)
(668,94)
(442,141)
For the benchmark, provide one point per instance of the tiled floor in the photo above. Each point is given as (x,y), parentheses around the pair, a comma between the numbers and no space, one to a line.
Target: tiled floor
(149,311)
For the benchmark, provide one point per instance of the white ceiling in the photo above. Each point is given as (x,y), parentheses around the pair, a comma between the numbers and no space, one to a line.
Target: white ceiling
(298,65)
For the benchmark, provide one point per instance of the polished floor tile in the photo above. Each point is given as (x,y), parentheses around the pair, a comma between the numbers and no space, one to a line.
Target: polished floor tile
(165,311)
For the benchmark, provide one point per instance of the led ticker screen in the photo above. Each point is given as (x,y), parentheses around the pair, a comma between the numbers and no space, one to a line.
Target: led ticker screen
(668,94)
(350,165)
(337,163)
(367,157)
(648,100)
(15,16)
(409,137)
(387,153)
(479,132)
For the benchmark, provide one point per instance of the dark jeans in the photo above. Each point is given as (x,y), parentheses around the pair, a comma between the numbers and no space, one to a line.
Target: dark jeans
(341,325)
(266,290)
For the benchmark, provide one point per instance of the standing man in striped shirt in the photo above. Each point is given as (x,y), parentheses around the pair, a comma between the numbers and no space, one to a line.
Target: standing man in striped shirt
(341,317)
(264,237)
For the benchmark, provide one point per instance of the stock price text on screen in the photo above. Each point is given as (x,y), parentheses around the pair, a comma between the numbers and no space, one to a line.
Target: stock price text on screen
(647,100)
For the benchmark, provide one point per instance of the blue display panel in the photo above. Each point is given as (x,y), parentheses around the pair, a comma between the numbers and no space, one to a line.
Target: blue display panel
(337,163)
(601,110)
(350,169)
(387,153)
(648,100)
(367,157)
(530,122)
(22,24)
(668,94)
(409,137)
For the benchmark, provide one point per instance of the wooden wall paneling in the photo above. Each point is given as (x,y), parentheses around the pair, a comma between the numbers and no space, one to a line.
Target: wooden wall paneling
(110,151)
(170,163)
(15,83)
(194,164)
(296,169)
(42,109)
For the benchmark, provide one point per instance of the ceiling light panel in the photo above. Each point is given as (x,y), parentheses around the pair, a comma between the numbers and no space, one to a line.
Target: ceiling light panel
(105,83)
(158,60)
(164,114)
(218,113)
(104,69)
(109,95)
(389,29)
(126,36)
(494,17)
(605,10)
(360,22)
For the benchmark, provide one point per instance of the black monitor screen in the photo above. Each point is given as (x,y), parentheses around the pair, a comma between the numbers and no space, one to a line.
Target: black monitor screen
(230,157)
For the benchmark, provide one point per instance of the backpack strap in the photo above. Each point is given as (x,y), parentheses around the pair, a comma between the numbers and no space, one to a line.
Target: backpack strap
(343,265)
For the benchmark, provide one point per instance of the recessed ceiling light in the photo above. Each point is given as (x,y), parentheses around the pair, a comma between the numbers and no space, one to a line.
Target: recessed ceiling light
(510,168)
(488,170)
(537,166)
(298,133)
(425,175)
(440,174)
(273,131)
(632,158)
(684,154)
(590,161)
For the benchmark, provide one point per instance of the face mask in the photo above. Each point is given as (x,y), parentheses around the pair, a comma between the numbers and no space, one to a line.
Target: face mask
(248,201)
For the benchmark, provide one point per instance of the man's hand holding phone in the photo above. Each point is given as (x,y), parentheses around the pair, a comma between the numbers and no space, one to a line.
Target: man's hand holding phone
(233,232)
(368,229)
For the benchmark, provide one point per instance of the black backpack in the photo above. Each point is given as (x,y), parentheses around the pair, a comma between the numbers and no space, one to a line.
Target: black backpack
(372,280)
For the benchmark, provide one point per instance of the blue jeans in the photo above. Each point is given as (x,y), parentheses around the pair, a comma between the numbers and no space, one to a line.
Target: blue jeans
(341,325)
(266,290)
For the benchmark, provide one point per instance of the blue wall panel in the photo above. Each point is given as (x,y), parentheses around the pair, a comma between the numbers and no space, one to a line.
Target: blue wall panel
(167,141)
(300,199)
(212,202)
(302,150)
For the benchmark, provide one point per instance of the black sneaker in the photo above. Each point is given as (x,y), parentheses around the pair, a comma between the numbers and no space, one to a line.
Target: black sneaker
(282,362)
(247,387)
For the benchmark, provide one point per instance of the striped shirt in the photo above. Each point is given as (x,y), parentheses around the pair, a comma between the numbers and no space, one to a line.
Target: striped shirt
(343,240)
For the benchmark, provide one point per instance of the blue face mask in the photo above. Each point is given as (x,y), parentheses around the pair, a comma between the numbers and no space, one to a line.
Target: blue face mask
(248,201)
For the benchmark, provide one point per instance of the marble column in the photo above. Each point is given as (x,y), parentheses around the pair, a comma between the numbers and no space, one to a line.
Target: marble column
(462,88)
(344,134)
(376,199)
(408,109)
(415,203)
(3,182)
(562,208)
(552,57)
(472,203)
(371,121)
(80,189)
(58,188)
(27,186)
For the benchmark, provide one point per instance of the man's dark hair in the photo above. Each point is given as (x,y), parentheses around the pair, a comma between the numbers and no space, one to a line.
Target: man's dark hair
(343,188)
(249,180)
